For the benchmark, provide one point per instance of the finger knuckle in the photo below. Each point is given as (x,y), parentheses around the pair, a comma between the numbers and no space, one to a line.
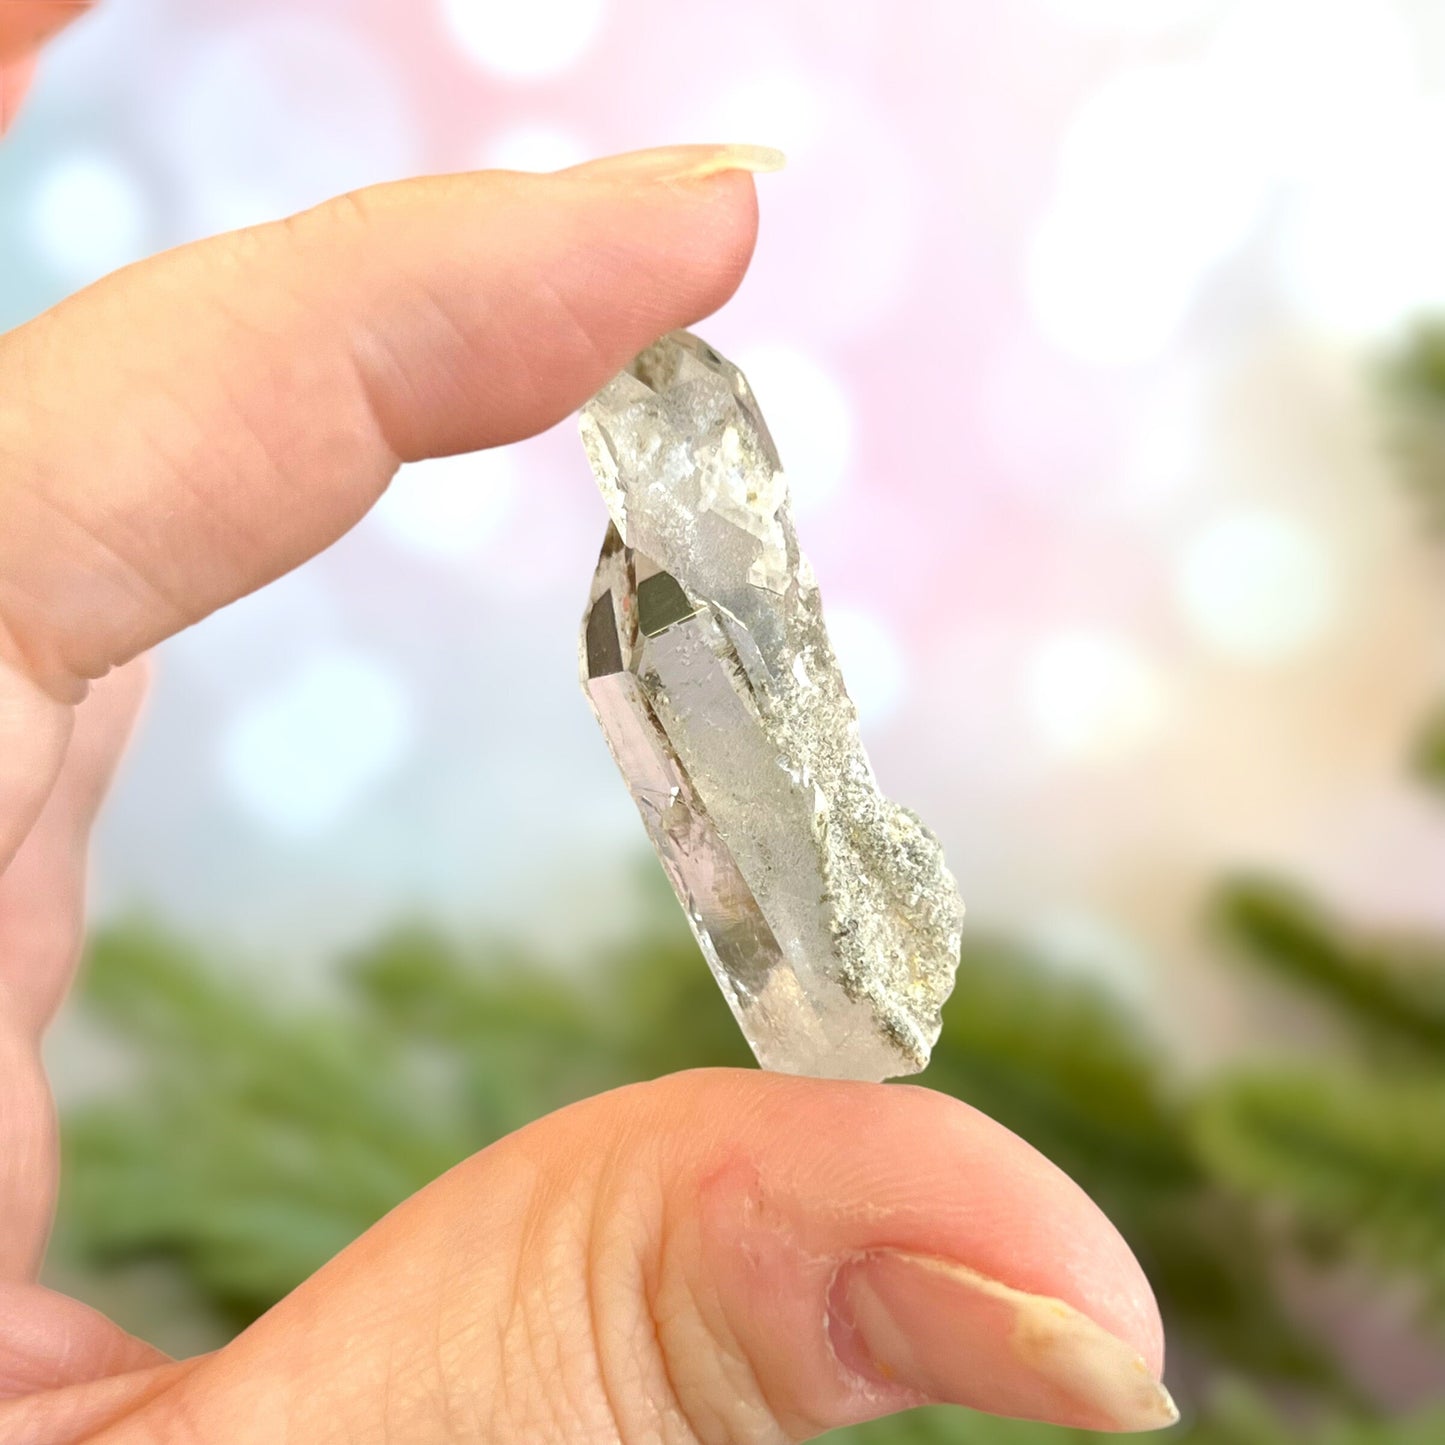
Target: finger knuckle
(671,1367)
(605,1330)
(344,214)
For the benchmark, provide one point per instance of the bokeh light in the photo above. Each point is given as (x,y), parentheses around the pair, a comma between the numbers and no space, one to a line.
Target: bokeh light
(536,146)
(299,758)
(527,41)
(1093,695)
(809,415)
(323,113)
(872,659)
(1257,586)
(1157,183)
(88,215)
(449,507)
(1134,15)
(776,107)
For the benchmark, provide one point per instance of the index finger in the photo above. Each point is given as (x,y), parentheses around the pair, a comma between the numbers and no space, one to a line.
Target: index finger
(194,426)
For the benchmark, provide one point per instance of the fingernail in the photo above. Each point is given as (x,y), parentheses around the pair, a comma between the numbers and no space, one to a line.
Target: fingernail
(686,163)
(954,1336)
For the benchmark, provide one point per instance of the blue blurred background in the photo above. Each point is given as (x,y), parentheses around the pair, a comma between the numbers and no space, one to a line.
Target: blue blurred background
(1069,317)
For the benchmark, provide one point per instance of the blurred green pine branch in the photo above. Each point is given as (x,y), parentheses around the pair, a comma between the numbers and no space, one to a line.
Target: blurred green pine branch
(1413,391)
(1385,992)
(258,1138)
(255,1143)
(1355,1165)
(1348,1153)
(1063,1064)
(1429,757)
(1413,395)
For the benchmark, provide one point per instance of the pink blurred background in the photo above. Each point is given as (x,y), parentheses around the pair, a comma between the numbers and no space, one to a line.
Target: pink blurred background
(1062,315)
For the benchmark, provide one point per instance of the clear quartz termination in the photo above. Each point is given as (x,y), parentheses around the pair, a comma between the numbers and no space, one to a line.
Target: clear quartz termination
(824,910)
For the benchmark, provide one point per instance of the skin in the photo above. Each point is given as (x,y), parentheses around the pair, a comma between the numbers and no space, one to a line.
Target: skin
(679,1261)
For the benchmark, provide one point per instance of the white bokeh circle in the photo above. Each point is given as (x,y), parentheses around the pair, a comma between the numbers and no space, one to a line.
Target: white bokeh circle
(279,112)
(537,146)
(1092,694)
(1257,586)
(872,661)
(88,216)
(780,107)
(1157,184)
(1359,252)
(1316,84)
(852,264)
(449,507)
(524,39)
(1135,15)
(297,759)
(809,416)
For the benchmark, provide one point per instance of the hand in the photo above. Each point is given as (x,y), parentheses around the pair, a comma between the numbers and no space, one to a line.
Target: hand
(715,1257)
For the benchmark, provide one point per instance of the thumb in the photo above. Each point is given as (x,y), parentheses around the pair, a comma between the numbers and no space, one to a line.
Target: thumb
(717,1256)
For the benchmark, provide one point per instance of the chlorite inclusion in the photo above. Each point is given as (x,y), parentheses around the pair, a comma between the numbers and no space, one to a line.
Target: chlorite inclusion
(824,910)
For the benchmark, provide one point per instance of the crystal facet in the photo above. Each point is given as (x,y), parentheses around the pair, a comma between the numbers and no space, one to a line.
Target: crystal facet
(824,910)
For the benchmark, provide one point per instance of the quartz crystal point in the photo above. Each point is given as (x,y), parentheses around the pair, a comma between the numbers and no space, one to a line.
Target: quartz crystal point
(824,910)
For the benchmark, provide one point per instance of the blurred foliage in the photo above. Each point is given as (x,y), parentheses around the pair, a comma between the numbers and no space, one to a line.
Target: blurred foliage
(1356,1165)
(1413,388)
(302,1124)
(1430,749)
(1384,992)
(1062,1063)
(1413,394)
(1348,1150)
